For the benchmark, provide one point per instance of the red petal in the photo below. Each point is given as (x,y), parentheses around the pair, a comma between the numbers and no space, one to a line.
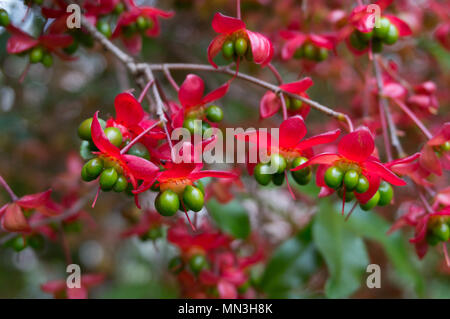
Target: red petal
(404,160)
(442,136)
(133,44)
(292,130)
(323,138)
(14,220)
(34,200)
(386,174)
(20,43)
(100,140)
(140,168)
(216,94)
(191,91)
(430,161)
(403,28)
(226,290)
(53,286)
(292,45)
(261,46)
(77,293)
(357,145)
(394,90)
(383,4)
(324,158)
(298,86)
(269,105)
(225,24)
(55,41)
(215,47)
(322,41)
(128,110)
(159,12)
(90,280)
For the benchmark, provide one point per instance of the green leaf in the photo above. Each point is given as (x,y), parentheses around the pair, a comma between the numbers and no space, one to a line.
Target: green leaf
(373,227)
(289,268)
(232,218)
(344,252)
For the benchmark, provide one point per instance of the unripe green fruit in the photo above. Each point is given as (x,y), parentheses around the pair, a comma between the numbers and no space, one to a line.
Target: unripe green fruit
(129,30)
(392,35)
(356,42)
(262,175)
(382,31)
(278,179)
(349,195)
(36,55)
(363,184)
(167,203)
(300,176)
(386,193)
(114,135)
(322,54)
(432,239)
(72,48)
(36,241)
(104,28)
(228,49)
(333,177)
(372,202)
(84,130)
(296,104)
(278,162)
(364,36)
(200,186)
(193,125)
(47,60)
(139,150)
(121,184)
(85,176)
(442,232)
(94,167)
(310,51)
(119,8)
(176,265)
(193,198)
(377,45)
(298,54)
(303,180)
(446,146)
(351,179)
(4,18)
(214,113)
(108,178)
(205,126)
(197,263)
(240,46)
(18,244)
(142,23)
(153,233)
(287,102)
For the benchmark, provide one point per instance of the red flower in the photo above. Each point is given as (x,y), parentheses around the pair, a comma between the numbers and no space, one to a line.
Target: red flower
(59,288)
(148,220)
(442,34)
(261,47)
(133,167)
(432,161)
(192,98)
(424,97)
(14,219)
(411,168)
(20,42)
(355,150)
(296,39)
(271,103)
(221,189)
(134,42)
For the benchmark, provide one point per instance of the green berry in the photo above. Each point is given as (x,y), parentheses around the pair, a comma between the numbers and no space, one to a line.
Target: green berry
(240,46)
(104,28)
(310,51)
(36,55)
(84,130)
(432,239)
(446,146)
(214,113)
(121,184)
(18,244)
(322,54)
(153,233)
(377,45)
(382,31)
(392,35)
(193,198)
(364,36)
(442,232)
(72,48)
(108,178)
(351,179)
(119,8)
(129,30)
(278,162)
(141,23)
(228,49)
(372,202)
(94,167)
(278,179)
(300,173)
(139,150)
(287,102)
(176,265)
(296,104)
(200,186)
(205,126)
(298,54)
(302,180)
(114,135)
(4,18)
(386,193)
(262,175)
(167,203)
(193,125)
(363,184)
(333,177)
(197,263)
(85,176)
(349,195)
(36,241)
(356,42)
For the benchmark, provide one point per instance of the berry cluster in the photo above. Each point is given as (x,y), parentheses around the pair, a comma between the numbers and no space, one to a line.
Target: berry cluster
(311,52)
(386,33)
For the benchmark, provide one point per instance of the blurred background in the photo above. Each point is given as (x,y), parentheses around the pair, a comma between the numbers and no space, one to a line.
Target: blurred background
(39,150)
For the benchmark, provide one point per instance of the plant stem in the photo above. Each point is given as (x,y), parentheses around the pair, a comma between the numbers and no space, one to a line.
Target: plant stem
(8,189)
(413,117)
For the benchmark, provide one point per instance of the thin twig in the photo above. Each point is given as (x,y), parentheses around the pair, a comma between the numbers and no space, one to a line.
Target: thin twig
(414,118)
(8,189)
